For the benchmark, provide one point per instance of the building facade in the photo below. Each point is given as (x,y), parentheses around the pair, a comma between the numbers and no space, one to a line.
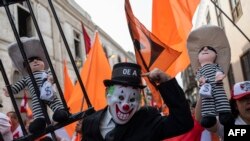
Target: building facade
(70,15)
(233,17)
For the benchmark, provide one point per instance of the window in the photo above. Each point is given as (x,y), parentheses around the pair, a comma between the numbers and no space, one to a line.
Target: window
(24,22)
(208,18)
(218,14)
(77,45)
(235,9)
(230,77)
(105,51)
(119,59)
(78,56)
(245,63)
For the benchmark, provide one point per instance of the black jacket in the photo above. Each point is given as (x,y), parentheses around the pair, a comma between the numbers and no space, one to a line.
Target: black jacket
(147,124)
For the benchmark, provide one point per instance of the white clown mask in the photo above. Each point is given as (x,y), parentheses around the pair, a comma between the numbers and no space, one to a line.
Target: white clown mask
(123,102)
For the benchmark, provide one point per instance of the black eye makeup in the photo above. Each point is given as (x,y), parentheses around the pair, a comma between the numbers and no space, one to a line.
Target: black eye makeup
(31,59)
(209,48)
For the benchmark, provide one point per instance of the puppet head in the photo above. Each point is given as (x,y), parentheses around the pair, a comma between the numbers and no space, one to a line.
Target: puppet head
(123,92)
(33,50)
(209,39)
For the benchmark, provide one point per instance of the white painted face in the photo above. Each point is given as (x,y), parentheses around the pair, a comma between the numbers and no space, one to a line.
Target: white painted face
(206,56)
(123,102)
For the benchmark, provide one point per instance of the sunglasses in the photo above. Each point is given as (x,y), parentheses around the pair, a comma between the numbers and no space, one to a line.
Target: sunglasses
(209,48)
(31,59)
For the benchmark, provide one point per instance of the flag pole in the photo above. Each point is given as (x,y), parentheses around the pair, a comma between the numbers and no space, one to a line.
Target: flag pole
(230,20)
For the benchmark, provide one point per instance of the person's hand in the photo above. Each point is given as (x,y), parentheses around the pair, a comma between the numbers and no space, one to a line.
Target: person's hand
(219,76)
(6,93)
(157,75)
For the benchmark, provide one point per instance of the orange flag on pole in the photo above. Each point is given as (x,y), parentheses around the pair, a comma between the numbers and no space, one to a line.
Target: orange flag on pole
(181,21)
(94,71)
(68,85)
(149,50)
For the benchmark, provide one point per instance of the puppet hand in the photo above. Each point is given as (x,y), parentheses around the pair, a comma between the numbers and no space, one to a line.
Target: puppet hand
(219,76)
(157,76)
(6,92)
(202,80)
(50,79)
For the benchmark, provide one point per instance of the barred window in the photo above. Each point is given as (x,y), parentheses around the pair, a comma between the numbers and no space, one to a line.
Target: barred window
(219,14)
(208,18)
(236,9)
(245,63)
(230,77)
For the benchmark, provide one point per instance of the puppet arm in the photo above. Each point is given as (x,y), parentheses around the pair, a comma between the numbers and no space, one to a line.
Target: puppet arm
(17,87)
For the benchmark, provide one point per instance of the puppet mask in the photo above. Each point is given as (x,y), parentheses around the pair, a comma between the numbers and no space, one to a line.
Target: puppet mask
(123,102)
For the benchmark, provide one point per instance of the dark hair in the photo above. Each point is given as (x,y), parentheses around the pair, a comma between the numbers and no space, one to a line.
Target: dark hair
(12,114)
(234,109)
(30,60)
(209,48)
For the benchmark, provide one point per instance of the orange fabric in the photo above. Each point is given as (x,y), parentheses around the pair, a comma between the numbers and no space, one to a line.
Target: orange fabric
(149,50)
(183,11)
(68,85)
(215,137)
(94,71)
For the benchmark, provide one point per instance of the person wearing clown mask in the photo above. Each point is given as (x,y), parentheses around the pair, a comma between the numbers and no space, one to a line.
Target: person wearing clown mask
(124,119)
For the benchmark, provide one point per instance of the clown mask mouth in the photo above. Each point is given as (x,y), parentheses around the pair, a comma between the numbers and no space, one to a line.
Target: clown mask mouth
(121,115)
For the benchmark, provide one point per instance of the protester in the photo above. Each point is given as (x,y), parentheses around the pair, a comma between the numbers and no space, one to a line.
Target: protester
(77,136)
(124,120)
(240,105)
(5,128)
(39,67)
(15,126)
(198,133)
(210,55)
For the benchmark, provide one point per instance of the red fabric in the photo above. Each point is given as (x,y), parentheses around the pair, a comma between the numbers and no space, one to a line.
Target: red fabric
(87,40)
(24,102)
(193,135)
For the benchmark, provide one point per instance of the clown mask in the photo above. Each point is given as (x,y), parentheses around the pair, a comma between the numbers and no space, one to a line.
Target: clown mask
(123,102)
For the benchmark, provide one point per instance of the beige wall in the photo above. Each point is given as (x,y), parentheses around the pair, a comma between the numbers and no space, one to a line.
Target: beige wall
(70,15)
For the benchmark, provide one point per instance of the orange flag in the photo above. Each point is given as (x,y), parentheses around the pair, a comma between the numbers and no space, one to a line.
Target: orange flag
(68,85)
(149,50)
(181,21)
(94,71)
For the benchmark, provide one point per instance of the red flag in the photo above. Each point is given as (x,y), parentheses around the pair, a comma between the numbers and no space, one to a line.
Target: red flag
(170,17)
(150,51)
(86,39)
(68,85)
(76,137)
(24,103)
(192,135)
(93,81)
(24,107)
